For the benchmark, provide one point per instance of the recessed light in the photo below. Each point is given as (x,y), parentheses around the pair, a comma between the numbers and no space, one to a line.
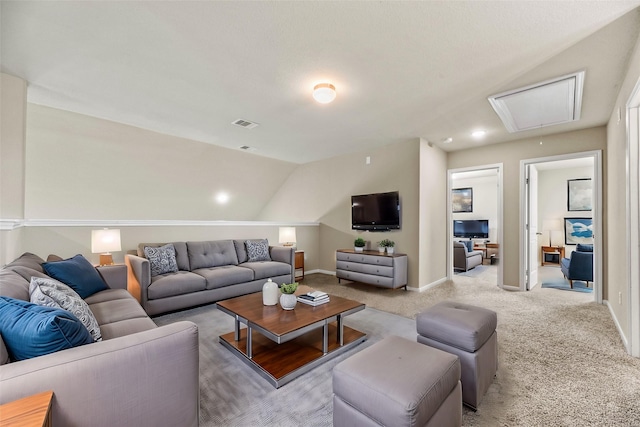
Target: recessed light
(222,198)
(478,134)
(447,140)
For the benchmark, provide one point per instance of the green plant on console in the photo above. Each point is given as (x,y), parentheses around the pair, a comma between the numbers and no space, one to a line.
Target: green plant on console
(289,288)
(359,242)
(387,243)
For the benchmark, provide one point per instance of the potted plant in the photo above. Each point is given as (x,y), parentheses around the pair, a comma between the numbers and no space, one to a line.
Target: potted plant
(288,300)
(381,246)
(389,244)
(359,244)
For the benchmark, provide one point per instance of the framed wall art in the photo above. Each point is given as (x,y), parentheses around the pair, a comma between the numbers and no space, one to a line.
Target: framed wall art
(579,194)
(462,200)
(578,230)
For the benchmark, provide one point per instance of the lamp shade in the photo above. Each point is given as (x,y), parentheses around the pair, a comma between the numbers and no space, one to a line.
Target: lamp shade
(287,236)
(324,93)
(106,240)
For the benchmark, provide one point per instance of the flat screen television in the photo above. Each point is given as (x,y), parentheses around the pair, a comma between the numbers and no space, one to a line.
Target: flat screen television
(376,212)
(471,228)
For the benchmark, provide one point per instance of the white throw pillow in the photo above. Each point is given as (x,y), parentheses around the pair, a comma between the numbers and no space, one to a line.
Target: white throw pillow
(51,293)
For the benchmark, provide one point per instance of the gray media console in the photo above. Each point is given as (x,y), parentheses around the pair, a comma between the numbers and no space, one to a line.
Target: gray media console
(372,267)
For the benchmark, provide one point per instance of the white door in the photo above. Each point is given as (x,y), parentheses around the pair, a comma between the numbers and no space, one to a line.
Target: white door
(532,227)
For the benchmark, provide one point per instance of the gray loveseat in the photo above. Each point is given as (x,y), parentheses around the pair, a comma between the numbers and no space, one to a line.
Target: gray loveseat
(138,375)
(208,271)
(465,259)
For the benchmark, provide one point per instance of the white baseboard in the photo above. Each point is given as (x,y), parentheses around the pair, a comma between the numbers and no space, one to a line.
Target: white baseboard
(427,286)
(625,342)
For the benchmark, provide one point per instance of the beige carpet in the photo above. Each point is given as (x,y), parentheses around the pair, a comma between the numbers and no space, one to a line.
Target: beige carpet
(561,360)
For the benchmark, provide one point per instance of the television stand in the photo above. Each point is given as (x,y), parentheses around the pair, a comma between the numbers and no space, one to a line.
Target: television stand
(372,267)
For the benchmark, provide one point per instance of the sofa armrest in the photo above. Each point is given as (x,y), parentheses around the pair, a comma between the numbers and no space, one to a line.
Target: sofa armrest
(284,254)
(145,379)
(139,277)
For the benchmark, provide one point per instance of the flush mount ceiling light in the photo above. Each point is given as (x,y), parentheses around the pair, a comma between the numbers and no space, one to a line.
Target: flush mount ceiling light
(478,134)
(547,103)
(447,140)
(324,93)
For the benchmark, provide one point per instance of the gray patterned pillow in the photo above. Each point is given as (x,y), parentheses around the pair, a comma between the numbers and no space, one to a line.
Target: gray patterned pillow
(257,250)
(162,259)
(51,293)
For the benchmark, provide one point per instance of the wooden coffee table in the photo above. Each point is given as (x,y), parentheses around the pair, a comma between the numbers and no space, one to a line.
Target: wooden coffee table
(289,343)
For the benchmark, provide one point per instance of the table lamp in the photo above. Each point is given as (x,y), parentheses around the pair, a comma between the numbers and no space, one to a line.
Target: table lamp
(104,242)
(287,236)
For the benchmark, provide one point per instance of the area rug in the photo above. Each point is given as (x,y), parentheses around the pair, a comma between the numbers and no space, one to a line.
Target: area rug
(477,271)
(563,285)
(231,394)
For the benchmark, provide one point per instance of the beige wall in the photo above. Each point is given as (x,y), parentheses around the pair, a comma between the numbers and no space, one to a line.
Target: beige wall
(81,167)
(13,94)
(321,192)
(510,154)
(618,266)
(13,105)
(432,215)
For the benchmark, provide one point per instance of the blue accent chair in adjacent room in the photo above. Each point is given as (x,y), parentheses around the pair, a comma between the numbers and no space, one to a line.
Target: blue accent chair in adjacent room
(579,266)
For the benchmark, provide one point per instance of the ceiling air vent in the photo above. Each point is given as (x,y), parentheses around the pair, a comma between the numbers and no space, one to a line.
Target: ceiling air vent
(244,124)
(548,103)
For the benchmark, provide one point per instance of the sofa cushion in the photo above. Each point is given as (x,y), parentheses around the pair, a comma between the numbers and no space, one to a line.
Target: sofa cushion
(161,259)
(218,277)
(116,311)
(51,293)
(126,327)
(584,248)
(29,330)
(13,285)
(29,260)
(257,250)
(78,273)
(168,285)
(108,295)
(266,269)
(211,254)
(182,256)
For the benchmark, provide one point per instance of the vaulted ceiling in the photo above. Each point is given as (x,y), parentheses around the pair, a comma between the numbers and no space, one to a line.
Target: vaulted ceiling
(402,70)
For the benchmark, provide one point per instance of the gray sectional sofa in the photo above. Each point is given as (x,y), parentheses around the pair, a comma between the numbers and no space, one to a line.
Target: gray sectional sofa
(138,375)
(207,271)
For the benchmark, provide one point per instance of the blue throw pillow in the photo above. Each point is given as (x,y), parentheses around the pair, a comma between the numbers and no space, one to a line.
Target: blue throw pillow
(29,330)
(78,274)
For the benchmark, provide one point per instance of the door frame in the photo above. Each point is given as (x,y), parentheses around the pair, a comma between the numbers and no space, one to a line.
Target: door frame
(450,172)
(597,216)
(633,218)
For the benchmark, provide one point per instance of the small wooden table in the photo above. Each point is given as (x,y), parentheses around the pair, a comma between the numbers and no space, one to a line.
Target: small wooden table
(299,264)
(289,342)
(556,250)
(28,412)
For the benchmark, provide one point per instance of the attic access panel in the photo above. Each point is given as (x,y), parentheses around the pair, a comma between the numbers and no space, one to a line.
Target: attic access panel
(548,103)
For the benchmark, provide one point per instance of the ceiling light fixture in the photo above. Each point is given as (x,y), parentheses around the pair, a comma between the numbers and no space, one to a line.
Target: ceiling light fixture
(478,134)
(447,140)
(324,93)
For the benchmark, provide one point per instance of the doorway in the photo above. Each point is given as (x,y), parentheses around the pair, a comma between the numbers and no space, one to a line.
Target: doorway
(482,189)
(557,192)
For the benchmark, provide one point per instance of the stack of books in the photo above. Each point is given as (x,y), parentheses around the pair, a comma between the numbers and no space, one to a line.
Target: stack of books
(314,298)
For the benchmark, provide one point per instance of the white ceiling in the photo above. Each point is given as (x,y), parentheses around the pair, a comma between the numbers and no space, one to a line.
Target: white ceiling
(402,70)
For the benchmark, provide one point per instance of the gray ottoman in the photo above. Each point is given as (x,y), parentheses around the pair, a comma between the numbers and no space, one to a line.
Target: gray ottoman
(397,382)
(468,332)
